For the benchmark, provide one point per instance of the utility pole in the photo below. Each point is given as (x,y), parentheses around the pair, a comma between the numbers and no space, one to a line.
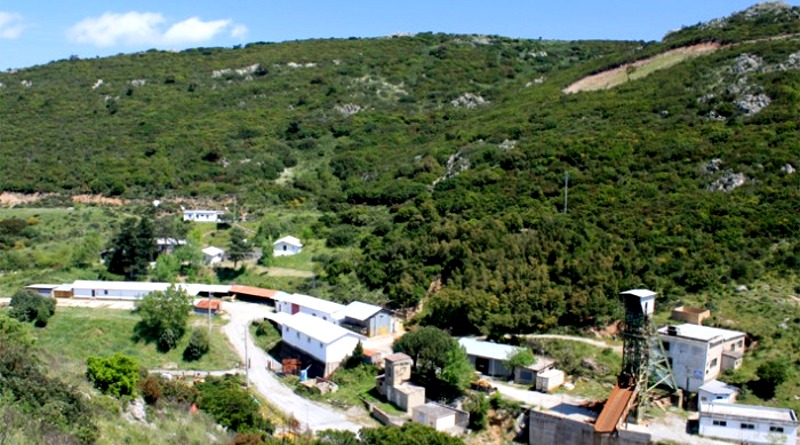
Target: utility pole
(566,189)
(246,360)
(209,314)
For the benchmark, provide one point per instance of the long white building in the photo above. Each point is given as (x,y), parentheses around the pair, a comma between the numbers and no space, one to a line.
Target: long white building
(748,424)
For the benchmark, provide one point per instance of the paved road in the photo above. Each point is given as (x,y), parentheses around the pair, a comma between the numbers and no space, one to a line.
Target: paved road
(598,343)
(311,415)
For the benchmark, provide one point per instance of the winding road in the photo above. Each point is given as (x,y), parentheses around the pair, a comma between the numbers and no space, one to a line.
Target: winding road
(598,343)
(311,416)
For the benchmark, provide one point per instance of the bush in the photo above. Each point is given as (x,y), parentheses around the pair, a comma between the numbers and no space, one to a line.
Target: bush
(27,306)
(116,375)
(477,405)
(150,388)
(198,345)
(231,405)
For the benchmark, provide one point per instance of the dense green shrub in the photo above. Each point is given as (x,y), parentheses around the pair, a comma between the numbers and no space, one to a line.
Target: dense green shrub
(230,404)
(116,375)
(27,305)
(198,345)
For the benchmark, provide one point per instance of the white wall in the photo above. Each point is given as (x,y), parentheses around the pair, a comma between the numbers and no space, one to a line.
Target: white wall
(111,294)
(331,353)
(760,434)
(283,249)
(286,307)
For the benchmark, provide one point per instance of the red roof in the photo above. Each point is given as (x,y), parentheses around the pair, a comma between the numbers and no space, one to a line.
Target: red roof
(204,303)
(253,291)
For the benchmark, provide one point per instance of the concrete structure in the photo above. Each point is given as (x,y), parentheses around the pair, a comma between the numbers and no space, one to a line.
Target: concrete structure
(551,429)
(202,215)
(549,380)
(394,384)
(716,391)
(325,342)
(367,319)
(489,358)
(288,245)
(213,255)
(526,375)
(698,354)
(748,424)
(436,416)
(691,315)
(326,310)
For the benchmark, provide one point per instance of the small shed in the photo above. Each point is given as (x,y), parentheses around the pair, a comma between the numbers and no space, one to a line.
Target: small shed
(213,255)
(45,290)
(527,375)
(367,319)
(716,391)
(687,314)
(549,380)
(288,245)
(434,415)
(205,305)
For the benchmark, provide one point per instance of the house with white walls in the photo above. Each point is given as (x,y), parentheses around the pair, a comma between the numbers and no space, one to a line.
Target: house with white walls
(288,245)
(323,341)
(698,354)
(202,215)
(748,424)
(213,255)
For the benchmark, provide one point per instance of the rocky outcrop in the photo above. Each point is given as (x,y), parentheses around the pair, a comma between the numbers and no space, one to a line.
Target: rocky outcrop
(468,100)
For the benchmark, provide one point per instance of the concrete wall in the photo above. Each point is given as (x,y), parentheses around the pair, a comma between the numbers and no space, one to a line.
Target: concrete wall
(546,429)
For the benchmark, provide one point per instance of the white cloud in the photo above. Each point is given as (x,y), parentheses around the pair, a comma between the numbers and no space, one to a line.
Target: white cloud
(11,25)
(239,31)
(146,28)
(194,30)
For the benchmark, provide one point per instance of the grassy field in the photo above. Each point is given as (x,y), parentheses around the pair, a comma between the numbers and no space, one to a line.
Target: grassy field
(75,334)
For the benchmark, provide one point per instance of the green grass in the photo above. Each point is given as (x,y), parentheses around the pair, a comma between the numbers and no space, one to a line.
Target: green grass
(353,385)
(75,334)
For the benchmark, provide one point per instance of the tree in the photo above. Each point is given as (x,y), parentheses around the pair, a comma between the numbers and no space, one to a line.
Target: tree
(116,375)
(198,345)
(27,305)
(231,405)
(355,359)
(440,364)
(239,247)
(771,374)
(163,316)
(523,357)
(133,248)
(477,405)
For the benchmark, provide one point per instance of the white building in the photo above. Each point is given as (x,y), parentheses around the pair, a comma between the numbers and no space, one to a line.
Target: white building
(316,307)
(748,424)
(698,354)
(213,255)
(202,215)
(489,358)
(134,290)
(288,245)
(716,391)
(324,341)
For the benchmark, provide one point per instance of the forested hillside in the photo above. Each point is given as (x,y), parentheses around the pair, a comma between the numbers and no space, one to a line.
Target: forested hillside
(442,159)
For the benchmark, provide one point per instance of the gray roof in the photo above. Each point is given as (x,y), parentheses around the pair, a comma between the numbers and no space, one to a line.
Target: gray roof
(701,333)
(435,410)
(641,293)
(764,413)
(717,387)
(496,351)
(360,311)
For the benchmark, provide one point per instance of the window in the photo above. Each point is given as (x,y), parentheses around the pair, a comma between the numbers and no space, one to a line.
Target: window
(714,363)
(775,429)
(320,344)
(298,334)
(747,426)
(720,423)
(666,346)
(308,339)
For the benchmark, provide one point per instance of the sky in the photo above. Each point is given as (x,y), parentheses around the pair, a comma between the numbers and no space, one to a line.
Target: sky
(35,32)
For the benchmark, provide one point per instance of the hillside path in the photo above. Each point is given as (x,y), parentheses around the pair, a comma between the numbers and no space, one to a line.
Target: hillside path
(311,415)
(598,343)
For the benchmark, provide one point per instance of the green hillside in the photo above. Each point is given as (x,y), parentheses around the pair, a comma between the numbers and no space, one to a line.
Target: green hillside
(441,159)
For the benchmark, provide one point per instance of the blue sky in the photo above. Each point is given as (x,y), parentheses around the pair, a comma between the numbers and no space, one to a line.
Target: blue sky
(34,32)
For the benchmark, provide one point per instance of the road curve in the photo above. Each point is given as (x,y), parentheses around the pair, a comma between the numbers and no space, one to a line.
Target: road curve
(312,416)
(598,343)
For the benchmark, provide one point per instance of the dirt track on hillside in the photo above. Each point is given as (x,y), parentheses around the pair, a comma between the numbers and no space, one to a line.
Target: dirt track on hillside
(613,77)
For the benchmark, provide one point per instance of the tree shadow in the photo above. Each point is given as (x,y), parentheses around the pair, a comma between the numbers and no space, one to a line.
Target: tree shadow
(228,273)
(147,335)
